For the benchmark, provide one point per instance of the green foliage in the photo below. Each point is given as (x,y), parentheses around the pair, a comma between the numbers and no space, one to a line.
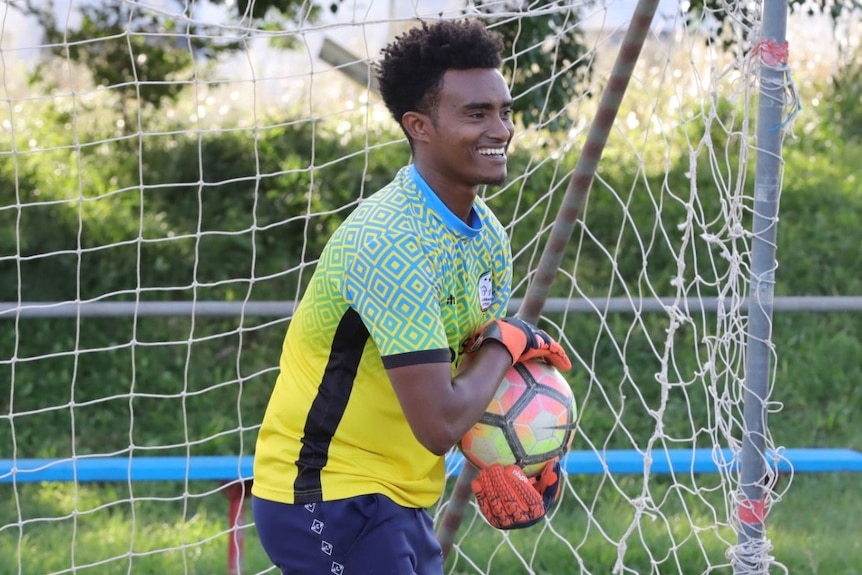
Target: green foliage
(546,57)
(820,203)
(747,14)
(221,208)
(842,109)
(121,49)
(246,223)
(149,57)
(297,10)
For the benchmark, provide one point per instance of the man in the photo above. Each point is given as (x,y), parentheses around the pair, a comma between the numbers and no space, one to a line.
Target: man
(385,364)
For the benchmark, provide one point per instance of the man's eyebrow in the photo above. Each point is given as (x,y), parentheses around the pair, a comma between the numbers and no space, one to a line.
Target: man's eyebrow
(487,105)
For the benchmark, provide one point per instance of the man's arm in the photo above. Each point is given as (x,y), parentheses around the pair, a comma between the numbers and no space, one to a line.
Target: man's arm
(439,408)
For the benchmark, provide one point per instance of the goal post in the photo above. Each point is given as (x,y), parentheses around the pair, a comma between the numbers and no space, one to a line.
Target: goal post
(168,179)
(756,478)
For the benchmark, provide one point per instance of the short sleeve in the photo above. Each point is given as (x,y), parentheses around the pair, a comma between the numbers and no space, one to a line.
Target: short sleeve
(390,282)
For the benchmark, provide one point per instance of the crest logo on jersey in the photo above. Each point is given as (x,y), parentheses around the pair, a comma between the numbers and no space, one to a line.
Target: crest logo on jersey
(486,291)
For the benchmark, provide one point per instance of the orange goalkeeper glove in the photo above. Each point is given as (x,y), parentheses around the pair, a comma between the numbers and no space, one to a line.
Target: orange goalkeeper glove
(508,499)
(523,340)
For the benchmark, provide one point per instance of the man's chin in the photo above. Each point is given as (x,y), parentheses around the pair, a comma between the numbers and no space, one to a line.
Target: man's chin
(495,180)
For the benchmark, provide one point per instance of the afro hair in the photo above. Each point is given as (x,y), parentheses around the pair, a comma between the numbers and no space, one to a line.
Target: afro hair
(410,74)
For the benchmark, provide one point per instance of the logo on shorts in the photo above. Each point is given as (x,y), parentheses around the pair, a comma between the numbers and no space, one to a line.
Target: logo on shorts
(317,526)
(326,547)
(310,507)
(486,291)
(337,568)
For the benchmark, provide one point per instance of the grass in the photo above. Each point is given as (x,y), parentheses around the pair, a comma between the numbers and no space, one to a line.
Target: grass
(162,529)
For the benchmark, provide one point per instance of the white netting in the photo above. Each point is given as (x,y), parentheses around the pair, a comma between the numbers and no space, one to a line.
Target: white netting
(156,227)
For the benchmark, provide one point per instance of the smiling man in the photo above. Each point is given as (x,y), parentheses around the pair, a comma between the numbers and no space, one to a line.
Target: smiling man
(384,366)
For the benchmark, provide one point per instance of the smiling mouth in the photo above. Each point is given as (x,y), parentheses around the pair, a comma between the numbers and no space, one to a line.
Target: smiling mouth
(492,152)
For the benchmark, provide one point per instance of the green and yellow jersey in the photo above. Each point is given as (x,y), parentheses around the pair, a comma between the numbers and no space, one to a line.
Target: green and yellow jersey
(402,281)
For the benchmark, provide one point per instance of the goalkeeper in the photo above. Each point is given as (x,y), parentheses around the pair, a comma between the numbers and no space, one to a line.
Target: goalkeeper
(400,340)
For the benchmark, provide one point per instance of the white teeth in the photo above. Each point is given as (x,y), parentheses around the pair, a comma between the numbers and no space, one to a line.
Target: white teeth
(492,151)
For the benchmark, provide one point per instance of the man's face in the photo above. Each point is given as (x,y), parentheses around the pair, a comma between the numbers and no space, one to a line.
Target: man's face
(473,128)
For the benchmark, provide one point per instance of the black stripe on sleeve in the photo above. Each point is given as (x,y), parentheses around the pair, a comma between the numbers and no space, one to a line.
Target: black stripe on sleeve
(329,405)
(418,357)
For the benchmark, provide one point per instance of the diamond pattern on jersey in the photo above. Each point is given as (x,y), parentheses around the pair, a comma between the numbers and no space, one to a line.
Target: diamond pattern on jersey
(389,278)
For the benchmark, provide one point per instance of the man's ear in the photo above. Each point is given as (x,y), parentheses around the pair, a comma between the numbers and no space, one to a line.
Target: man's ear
(417,125)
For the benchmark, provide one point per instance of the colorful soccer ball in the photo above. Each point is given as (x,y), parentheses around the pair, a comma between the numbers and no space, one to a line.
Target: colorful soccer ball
(529,422)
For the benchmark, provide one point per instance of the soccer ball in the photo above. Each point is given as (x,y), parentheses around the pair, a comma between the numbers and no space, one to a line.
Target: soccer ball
(529,422)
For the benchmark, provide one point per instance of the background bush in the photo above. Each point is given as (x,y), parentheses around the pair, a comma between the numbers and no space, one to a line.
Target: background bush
(243,214)
(89,210)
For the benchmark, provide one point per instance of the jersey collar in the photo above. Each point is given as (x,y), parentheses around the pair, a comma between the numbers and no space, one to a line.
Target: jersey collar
(452,221)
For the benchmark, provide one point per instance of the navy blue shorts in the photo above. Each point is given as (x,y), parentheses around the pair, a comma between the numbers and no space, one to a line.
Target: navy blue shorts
(355,536)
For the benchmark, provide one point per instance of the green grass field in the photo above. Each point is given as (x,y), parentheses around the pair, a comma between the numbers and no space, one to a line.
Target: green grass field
(813,532)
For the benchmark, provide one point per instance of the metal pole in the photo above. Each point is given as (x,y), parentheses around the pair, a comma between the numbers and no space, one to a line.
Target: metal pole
(282,309)
(752,553)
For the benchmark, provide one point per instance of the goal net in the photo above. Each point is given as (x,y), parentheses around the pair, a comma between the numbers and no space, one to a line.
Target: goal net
(170,171)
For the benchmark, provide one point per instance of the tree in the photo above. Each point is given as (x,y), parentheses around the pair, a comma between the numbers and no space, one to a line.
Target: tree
(748,14)
(546,54)
(148,56)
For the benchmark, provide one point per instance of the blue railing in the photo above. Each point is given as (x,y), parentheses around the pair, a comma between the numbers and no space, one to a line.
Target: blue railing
(95,468)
